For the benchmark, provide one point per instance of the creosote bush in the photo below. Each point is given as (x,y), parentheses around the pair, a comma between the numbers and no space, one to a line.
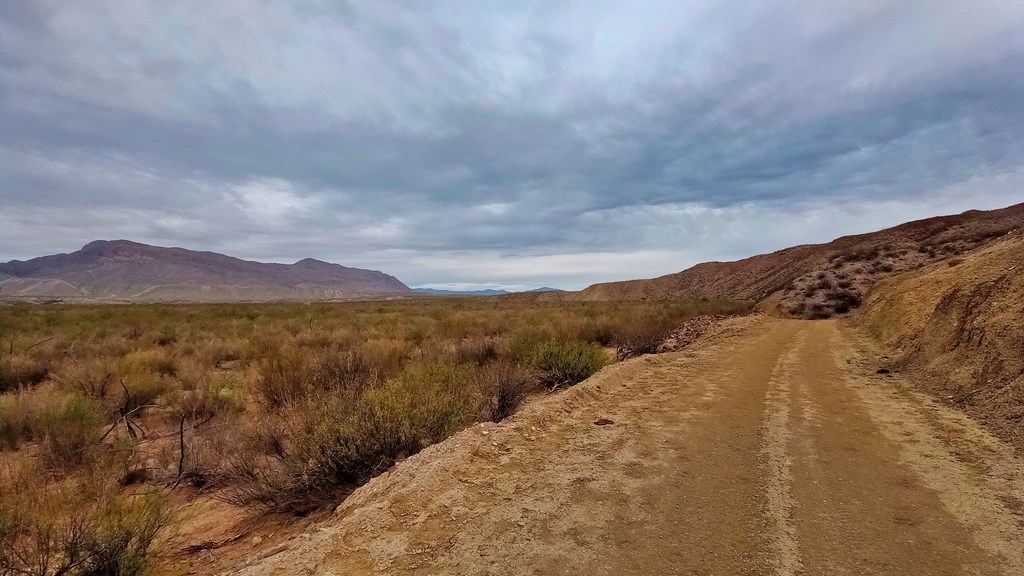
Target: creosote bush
(66,430)
(568,363)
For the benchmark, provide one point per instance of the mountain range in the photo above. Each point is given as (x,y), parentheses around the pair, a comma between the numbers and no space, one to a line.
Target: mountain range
(488,292)
(811,280)
(121,270)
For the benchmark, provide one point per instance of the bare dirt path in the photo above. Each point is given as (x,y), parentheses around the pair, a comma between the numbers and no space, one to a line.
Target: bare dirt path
(770,447)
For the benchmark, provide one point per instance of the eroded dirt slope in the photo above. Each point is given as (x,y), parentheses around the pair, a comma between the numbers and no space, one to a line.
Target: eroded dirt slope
(770,447)
(962,324)
(817,280)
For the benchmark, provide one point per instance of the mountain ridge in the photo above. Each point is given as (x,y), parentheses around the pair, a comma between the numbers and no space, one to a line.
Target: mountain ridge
(123,270)
(486,292)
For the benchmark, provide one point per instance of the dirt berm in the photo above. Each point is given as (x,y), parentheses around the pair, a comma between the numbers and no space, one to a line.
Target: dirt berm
(960,324)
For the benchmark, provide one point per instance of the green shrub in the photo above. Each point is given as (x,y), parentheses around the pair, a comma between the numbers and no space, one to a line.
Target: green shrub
(477,351)
(568,363)
(153,361)
(13,428)
(207,401)
(601,333)
(292,374)
(283,377)
(526,345)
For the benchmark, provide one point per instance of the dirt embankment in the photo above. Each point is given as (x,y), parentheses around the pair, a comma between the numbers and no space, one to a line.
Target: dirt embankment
(960,323)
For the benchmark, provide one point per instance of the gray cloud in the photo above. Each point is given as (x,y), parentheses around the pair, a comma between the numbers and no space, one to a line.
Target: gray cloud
(479,142)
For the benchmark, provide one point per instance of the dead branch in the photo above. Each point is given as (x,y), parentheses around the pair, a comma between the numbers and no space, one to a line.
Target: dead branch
(37,344)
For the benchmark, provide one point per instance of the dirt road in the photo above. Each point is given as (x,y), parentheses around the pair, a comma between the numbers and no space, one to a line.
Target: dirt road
(770,447)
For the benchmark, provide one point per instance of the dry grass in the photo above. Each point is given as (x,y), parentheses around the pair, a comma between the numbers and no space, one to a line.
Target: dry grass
(285,406)
(81,526)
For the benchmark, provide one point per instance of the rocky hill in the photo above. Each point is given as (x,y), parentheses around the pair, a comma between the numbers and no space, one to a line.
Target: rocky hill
(820,280)
(128,271)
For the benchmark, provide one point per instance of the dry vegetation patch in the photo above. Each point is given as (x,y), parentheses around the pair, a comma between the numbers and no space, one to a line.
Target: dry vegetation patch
(287,407)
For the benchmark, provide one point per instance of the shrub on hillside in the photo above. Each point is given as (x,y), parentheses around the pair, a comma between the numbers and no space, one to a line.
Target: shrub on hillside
(641,334)
(328,444)
(568,363)
(843,300)
(818,311)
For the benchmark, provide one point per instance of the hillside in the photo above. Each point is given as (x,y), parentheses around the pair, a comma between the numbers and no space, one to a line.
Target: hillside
(960,323)
(128,271)
(819,280)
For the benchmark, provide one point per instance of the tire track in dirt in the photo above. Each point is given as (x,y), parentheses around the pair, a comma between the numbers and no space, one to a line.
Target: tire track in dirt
(785,558)
(713,487)
(978,479)
(860,508)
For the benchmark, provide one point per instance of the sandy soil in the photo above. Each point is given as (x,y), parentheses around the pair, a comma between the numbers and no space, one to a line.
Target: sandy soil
(769,447)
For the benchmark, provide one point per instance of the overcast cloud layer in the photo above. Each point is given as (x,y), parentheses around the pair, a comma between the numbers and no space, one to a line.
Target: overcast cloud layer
(499,143)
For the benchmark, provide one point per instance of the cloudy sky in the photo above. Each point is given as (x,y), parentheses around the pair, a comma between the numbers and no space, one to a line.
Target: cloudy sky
(511,144)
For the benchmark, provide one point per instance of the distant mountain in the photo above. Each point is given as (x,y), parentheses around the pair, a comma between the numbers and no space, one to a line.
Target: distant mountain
(120,270)
(436,292)
(491,292)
